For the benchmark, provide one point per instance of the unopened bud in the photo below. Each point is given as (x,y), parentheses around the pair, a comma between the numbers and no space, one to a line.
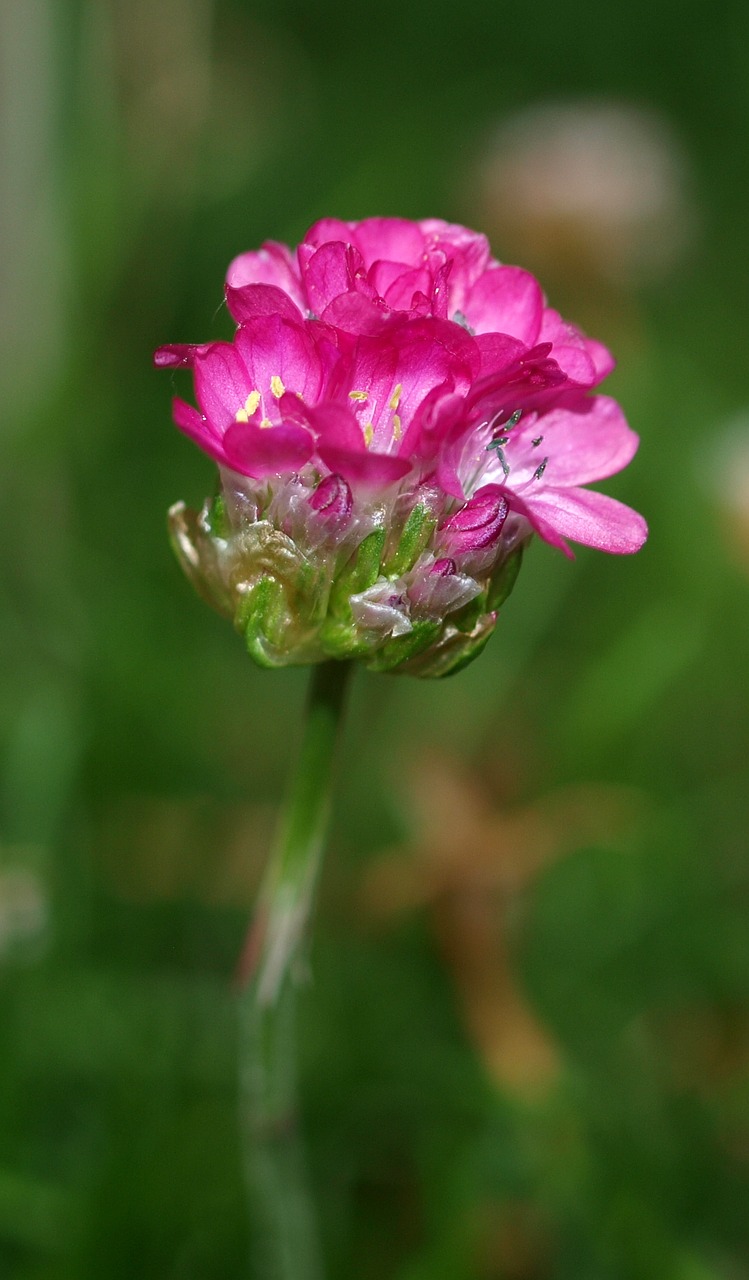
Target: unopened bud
(332,498)
(477,525)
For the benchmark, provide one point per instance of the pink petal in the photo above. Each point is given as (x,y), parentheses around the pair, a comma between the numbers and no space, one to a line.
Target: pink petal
(179,355)
(506,300)
(395,239)
(194,425)
(274,347)
(499,352)
(336,424)
(327,229)
(569,348)
(584,443)
(436,415)
(272,264)
(329,271)
(401,367)
(354,313)
(602,359)
(515,376)
(342,448)
(364,468)
(261,451)
(469,249)
(585,516)
(252,300)
(222,383)
(441,290)
(398,284)
(448,476)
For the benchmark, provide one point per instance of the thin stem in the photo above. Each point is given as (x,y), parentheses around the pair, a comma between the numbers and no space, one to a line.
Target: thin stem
(284,1231)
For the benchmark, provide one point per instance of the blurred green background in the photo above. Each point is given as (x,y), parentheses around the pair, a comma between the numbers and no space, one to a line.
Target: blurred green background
(525,1048)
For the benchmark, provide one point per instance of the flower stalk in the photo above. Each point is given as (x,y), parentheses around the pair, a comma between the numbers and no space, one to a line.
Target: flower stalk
(284,1235)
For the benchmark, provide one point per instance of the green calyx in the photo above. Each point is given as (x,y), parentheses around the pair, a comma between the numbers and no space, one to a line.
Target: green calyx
(296,606)
(414,539)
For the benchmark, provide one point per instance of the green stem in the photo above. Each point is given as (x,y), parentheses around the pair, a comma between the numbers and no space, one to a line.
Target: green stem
(284,1234)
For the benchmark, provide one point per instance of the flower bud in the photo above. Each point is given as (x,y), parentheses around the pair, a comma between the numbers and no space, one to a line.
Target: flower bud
(477,525)
(332,498)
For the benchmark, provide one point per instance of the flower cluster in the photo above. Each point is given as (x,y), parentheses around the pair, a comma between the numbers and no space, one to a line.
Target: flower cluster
(395,416)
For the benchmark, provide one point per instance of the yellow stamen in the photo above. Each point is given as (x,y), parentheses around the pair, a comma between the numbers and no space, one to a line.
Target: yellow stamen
(368,433)
(358,395)
(277,386)
(250,405)
(397,429)
(266,422)
(395,398)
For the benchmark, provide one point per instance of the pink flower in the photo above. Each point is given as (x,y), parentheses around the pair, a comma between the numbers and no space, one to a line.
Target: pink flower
(391,386)
(357,275)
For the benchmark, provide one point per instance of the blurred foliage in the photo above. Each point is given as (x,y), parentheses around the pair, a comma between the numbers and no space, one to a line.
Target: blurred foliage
(142,147)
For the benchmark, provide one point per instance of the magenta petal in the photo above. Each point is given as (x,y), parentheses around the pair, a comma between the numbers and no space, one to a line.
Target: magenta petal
(420,306)
(341,447)
(221,383)
(585,516)
(400,367)
(275,347)
(363,468)
(569,349)
(179,355)
(272,264)
(441,291)
(328,229)
(499,352)
(261,451)
(336,424)
(602,358)
(395,239)
(587,444)
(333,269)
(469,250)
(448,466)
(356,314)
(576,364)
(437,413)
(194,425)
(253,300)
(398,284)
(506,300)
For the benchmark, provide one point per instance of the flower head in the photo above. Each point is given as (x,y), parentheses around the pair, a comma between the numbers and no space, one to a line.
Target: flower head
(395,416)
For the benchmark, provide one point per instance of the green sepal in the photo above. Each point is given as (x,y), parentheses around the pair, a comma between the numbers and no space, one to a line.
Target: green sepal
(504,579)
(466,619)
(361,572)
(451,651)
(215,518)
(401,648)
(416,533)
(341,640)
(465,656)
(262,616)
(311,592)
